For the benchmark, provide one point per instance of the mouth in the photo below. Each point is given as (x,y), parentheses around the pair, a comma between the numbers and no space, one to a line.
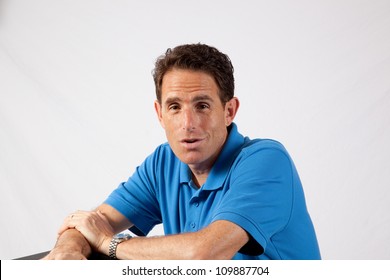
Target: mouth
(190,140)
(191,143)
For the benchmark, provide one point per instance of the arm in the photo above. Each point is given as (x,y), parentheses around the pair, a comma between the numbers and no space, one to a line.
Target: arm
(220,240)
(71,243)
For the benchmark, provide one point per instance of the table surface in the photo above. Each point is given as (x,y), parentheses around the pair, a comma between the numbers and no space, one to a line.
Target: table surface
(38,256)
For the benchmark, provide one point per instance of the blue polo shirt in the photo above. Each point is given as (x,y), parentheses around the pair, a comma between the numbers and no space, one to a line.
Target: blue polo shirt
(253,184)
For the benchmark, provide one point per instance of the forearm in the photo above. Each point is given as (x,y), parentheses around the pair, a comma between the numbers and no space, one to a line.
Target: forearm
(220,240)
(84,231)
(71,244)
(181,246)
(72,239)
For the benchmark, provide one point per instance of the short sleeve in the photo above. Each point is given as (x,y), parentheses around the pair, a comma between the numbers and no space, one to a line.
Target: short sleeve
(137,199)
(260,195)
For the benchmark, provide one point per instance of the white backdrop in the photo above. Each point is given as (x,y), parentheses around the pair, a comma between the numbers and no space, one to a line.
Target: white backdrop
(76,105)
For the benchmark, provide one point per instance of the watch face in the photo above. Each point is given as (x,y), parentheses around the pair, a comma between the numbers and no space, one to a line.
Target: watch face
(122,237)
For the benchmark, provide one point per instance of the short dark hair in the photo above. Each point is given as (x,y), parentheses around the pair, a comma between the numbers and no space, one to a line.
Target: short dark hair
(197,57)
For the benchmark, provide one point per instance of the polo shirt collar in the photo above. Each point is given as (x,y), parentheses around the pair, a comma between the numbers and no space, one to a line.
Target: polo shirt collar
(223,163)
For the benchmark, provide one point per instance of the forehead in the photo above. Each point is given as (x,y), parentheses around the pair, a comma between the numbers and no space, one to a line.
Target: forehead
(182,83)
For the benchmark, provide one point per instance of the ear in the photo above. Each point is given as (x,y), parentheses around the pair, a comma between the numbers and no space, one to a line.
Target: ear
(231,108)
(158,109)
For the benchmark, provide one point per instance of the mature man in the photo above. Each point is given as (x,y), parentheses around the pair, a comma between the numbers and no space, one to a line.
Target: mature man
(218,194)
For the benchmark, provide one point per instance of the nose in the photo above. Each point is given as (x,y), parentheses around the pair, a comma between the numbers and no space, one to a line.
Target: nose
(189,120)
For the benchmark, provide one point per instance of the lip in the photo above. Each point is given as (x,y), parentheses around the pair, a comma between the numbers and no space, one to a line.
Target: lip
(191,143)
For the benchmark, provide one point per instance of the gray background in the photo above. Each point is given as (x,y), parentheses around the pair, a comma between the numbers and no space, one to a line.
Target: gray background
(76,105)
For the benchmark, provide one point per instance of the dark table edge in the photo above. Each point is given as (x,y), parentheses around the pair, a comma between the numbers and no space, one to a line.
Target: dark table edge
(38,256)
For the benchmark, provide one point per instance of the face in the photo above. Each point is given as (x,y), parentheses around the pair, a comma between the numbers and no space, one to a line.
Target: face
(193,117)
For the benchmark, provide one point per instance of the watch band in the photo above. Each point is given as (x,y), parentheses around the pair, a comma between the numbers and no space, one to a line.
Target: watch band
(112,248)
(117,239)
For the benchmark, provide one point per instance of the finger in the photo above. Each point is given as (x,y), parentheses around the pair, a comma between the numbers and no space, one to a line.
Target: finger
(74,219)
(68,223)
(63,228)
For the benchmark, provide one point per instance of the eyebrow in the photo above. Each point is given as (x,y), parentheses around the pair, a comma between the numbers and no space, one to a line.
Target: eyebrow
(202,97)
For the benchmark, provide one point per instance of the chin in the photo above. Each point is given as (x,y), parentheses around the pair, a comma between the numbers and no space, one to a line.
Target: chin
(191,160)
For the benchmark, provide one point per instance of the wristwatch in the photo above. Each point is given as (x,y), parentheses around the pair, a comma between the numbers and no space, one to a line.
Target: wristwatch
(119,238)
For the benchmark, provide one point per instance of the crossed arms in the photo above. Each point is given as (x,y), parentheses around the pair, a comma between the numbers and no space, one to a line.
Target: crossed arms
(87,231)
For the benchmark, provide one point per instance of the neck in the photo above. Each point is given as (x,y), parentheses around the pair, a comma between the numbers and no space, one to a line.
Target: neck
(199,179)
(200,172)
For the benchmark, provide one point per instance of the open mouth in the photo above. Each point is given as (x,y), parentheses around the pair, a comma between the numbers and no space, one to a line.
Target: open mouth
(191,143)
(190,140)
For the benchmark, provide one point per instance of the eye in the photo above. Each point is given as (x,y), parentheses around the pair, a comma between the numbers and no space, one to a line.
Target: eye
(203,106)
(173,107)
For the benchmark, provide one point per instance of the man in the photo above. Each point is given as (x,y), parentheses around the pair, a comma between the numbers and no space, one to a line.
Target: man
(218,194)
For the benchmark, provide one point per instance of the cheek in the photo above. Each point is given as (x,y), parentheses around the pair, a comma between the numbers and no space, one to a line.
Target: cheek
(171,125)
(218,131)
(219,121)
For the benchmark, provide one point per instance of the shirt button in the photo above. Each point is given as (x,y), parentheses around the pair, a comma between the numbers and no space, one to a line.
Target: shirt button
(193,225)
(196,204)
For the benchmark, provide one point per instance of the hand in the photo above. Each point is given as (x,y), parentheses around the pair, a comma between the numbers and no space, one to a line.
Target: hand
(94,226)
